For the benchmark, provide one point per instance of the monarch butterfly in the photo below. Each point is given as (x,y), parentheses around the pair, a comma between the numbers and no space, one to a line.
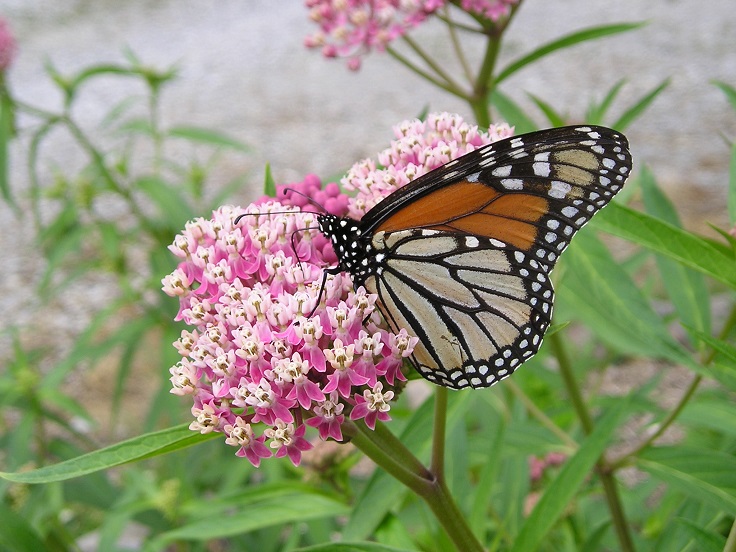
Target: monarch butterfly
(461,256)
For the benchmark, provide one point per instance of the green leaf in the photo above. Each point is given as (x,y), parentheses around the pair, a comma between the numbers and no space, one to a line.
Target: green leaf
(7,125)
(728,90)
(512,113)
(351,547)
(732,187)
(712,414)
(706,541)
(250,511)
(565,42)
(555,119)
(603,295)
(596,113)
(269,184)
(685,286)
(137,448)
(207,136)
(631,114)
(171,203)
(709,476)
(573,474)
(684,247)
(17,534)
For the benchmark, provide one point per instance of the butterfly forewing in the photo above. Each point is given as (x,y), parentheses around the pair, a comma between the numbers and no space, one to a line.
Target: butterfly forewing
(460,257)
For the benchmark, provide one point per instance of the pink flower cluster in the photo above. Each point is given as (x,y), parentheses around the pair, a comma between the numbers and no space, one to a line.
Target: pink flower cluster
(264,359)
(7,46)
(537,466)
(419,147)
(352,28)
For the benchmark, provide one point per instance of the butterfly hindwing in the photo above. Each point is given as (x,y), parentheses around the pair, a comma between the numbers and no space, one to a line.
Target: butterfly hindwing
(478,306)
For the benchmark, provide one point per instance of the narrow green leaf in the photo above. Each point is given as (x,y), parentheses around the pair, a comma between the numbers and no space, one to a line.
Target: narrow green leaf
(712,414)
(100,70)
(352,547)
(684,286)
(596,113)
(7,124)
(17,534)
(709,476)
(207,136)
(485,487)
(631,114)
(707,541)
(604,296)
(573,474)
(512,113)
(269,184)
(555,119)
(294,507)
(685,247)
(565,42)
(732,187)
(172,205)
(729,91)
(137,448)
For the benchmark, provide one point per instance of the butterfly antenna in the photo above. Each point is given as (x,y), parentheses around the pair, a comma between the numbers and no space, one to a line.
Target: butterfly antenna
(317,204)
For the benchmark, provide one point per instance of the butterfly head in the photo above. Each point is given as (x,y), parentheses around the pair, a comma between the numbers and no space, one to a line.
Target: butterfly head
(345,234)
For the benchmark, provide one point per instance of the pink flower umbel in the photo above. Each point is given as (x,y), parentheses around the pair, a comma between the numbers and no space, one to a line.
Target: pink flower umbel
(270,353)
(263,356)
(350,29)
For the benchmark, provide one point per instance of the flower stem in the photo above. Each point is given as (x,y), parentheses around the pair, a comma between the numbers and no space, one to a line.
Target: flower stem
(604,472)
(391,455)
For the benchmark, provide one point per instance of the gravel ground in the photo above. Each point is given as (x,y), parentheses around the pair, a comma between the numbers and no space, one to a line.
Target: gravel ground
(243,70)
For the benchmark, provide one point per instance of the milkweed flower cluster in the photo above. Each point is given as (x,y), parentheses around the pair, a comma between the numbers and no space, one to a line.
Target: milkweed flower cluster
(266,356)
(7,46)
(352,28)
(418,148)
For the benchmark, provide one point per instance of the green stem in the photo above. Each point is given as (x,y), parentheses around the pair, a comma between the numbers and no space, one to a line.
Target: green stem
(684,400)
(432,64)
(455,41)
(424,74)
(535,412)
(586,420)
(401,464)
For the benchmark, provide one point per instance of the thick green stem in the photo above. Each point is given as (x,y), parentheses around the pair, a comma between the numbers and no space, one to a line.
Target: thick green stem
(396,460)
(586,420)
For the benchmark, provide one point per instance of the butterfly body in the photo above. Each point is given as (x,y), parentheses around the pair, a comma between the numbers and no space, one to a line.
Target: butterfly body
(461,256)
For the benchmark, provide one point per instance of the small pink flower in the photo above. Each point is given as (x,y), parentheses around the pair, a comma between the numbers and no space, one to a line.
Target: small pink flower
(7,46)
(252,447)
(350,29)
(288,441)
(372,405)
(343,378)
(328,418)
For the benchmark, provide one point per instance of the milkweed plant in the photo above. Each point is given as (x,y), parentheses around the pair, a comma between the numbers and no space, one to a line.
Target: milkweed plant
(296,376)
